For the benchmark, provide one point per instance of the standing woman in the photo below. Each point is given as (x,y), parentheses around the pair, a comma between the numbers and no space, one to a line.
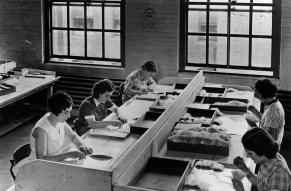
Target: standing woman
(273,118)
(273,174)
(138,82)
(96,107)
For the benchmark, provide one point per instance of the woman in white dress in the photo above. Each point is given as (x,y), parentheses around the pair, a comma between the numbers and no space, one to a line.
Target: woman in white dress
(51,135)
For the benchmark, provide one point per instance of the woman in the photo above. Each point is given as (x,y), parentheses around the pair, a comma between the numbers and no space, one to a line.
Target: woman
(273,173)
(273,118)
(139,81)
(51,135)
(96,107)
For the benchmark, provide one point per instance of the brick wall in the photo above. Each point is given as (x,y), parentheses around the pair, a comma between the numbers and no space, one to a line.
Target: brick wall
(21,40)
(21,32)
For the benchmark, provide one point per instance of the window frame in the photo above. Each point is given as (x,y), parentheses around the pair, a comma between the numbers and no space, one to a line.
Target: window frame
(275,37)
(82,60)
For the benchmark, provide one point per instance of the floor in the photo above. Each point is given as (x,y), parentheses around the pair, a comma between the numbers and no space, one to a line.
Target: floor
(8,143)
(12,140)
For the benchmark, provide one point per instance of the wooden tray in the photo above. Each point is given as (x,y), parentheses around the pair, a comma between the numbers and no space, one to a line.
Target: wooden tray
(145,122)
(220,180)
(198,148)
(6,89)
(179,86)
(216,91)
(207,113)
(162,174)
(226,108)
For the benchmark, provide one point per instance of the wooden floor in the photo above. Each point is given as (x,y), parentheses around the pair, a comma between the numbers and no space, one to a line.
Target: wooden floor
(8,143)
(12,140)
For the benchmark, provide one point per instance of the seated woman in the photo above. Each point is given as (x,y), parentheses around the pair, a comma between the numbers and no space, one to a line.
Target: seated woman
(51,135)
(96,107)
(273,173)
(273,118)
(138,82)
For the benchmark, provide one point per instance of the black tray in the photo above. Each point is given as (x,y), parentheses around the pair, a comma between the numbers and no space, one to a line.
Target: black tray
(162,174)
(7,90)
(145,122)
(179,86)
(198,148)
(207,113)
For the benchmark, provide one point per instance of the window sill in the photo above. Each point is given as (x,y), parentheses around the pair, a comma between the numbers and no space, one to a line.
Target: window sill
(226,71)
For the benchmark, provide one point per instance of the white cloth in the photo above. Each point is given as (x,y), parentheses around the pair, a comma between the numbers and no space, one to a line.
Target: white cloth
(58,138)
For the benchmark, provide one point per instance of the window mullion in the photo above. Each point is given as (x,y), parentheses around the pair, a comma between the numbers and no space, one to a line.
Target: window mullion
(68,27)
(207,32)
(228,34)
(85,30)
(103,32)
(251,34)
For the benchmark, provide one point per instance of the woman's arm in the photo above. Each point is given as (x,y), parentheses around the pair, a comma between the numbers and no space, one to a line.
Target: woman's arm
(41,148)
(102,124)
(254,110)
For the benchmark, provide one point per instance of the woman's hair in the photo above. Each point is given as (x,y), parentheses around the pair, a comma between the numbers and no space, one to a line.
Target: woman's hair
(266,88)
(260,142)
(58,102)
(101,87)
(149,66)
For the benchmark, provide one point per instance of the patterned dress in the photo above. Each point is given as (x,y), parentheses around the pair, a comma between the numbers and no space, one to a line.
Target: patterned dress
(273,120)
(274,175)
(136,81)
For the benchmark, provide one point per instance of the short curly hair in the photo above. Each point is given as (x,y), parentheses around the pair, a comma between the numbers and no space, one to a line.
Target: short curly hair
(149,66)
(59,102)
(260,142)
(101,87)
(266,88)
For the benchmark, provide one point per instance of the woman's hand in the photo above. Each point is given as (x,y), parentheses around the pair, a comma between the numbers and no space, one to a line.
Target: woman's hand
(252,108)
(86,150)
(237,185)
(240,164)
(76,154)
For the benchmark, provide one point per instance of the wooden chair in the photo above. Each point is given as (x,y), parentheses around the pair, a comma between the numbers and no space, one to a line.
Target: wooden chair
(18,155)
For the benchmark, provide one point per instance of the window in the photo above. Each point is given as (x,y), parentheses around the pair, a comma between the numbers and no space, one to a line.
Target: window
(231,36)
(85,32)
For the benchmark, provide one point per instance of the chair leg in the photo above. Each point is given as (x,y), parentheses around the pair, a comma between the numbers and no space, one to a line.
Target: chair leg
(11,169)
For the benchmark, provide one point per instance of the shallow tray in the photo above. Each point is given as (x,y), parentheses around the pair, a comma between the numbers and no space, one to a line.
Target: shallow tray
(145,122)
(198,148)
(162,174)
(207,113)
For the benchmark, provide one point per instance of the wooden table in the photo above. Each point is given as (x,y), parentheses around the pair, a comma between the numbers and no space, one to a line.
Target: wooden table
(25,86)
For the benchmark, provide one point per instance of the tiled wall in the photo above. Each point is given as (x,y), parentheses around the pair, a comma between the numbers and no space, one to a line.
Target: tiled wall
(21,40)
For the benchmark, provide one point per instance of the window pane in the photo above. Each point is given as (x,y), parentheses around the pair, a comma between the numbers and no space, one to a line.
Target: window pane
(112,45)
(217,50)
(76,17)
(261,52)
(197,20)
(197,49)
(197,0)
(242,1)
(239,51)
(59,17)
(263,1)
(77,43)
(94,44)
(262,22)
(112,18)
(60,42)
(239,21)
(224,1)
(94,16)
(218,22)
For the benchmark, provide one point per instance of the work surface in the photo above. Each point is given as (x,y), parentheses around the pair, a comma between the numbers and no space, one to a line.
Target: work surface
(25,87)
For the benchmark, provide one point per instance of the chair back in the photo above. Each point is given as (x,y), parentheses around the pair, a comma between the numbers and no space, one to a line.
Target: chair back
(18,155)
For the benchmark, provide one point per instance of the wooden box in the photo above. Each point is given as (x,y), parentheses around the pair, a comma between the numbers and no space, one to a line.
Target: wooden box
(208,114)
(6,89)
(145,122)
(226,108)
(215,91)
(198,148)
(178,86)
(160,174)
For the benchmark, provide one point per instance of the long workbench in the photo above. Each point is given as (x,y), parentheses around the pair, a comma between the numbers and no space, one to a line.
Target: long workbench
(129,156)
